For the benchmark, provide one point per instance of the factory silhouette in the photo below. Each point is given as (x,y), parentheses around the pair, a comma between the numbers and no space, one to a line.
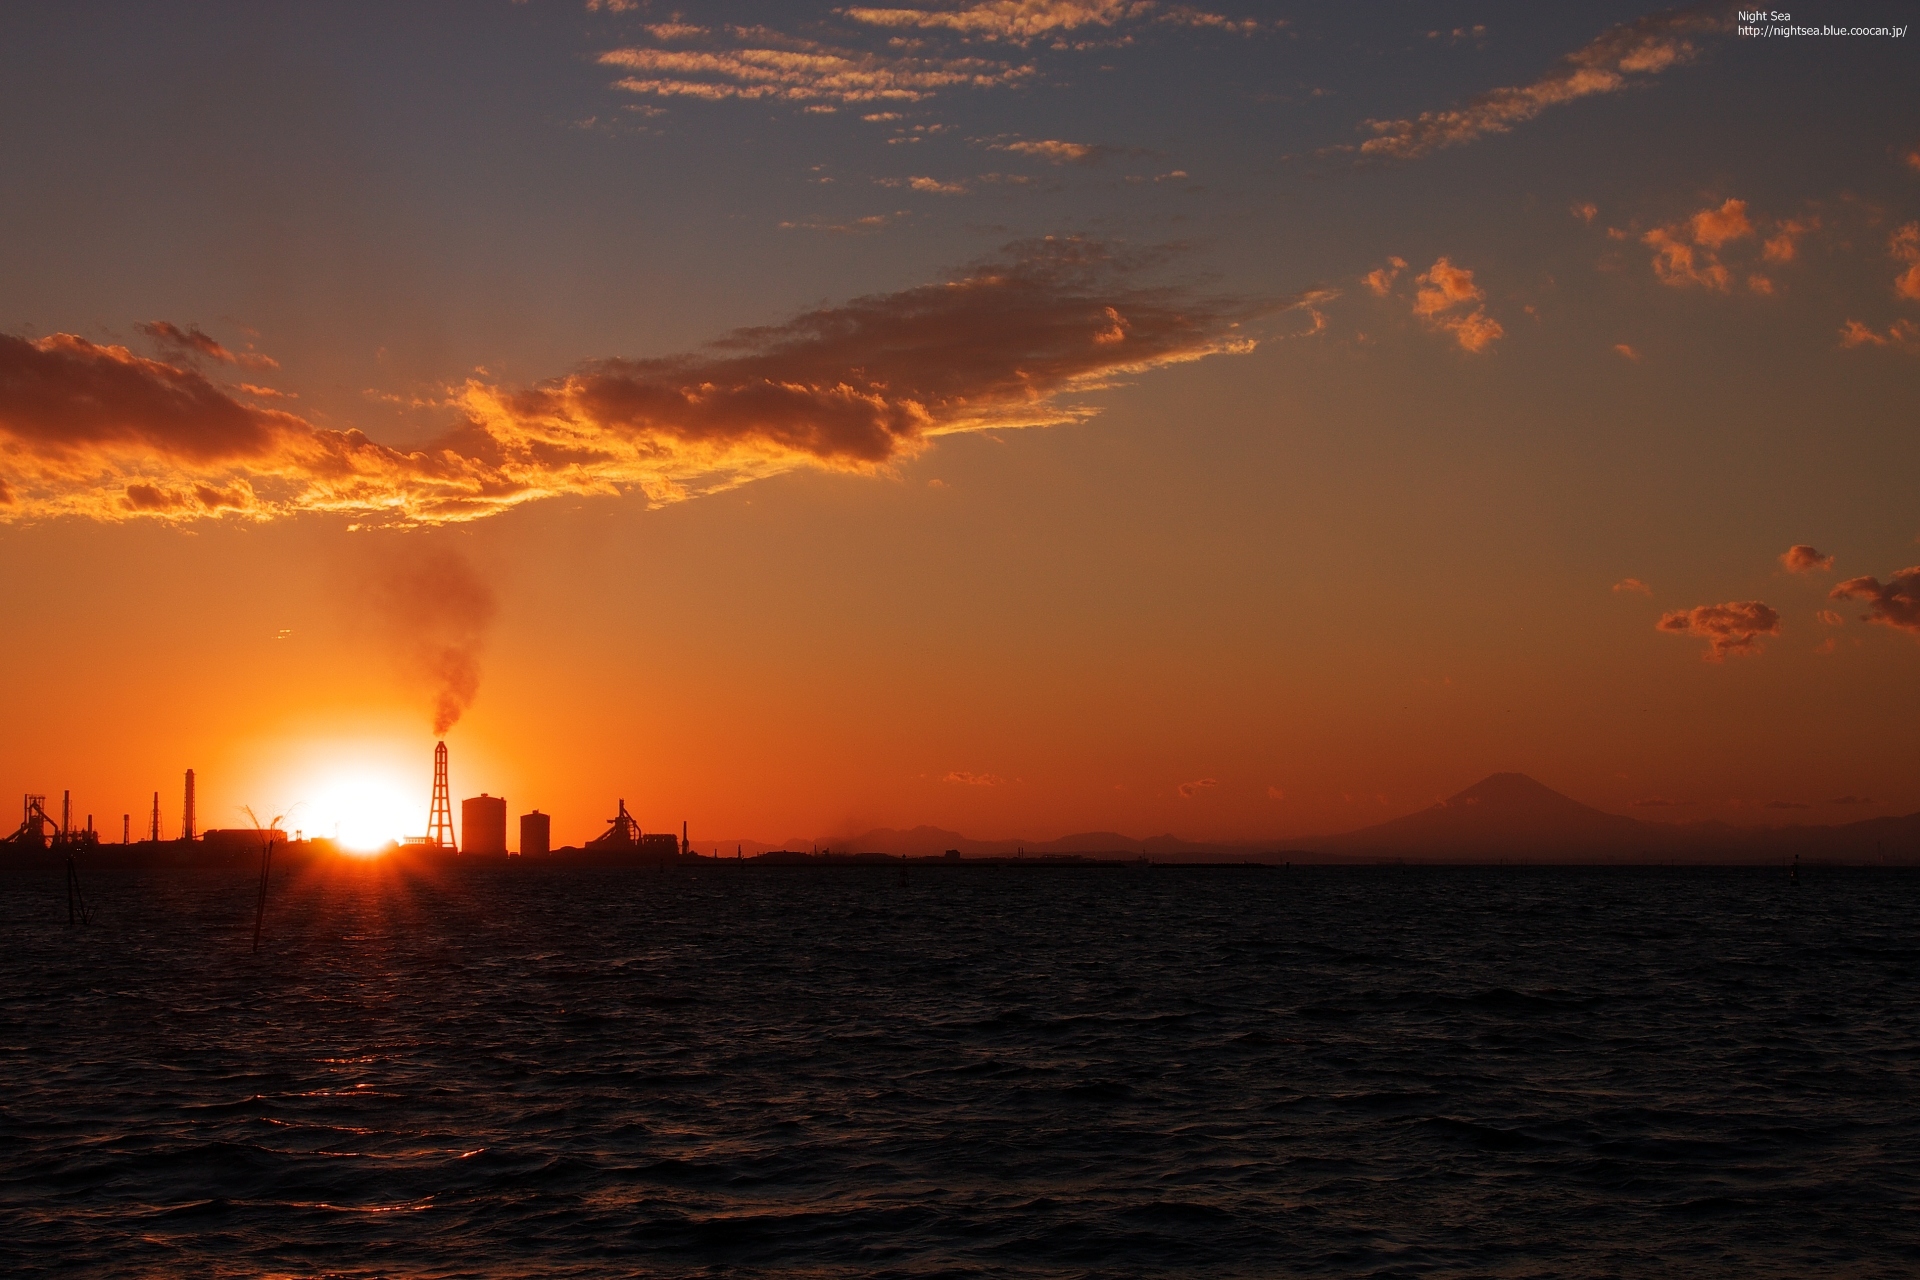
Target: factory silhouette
(482,834)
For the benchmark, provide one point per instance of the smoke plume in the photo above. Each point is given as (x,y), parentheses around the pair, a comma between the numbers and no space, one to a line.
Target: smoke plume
(438,611)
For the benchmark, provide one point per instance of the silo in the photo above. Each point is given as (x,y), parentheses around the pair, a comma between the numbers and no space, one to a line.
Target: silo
(536,834)
(483,825)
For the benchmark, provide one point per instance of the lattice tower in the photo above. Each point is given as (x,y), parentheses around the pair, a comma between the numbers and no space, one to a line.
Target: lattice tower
(440,817)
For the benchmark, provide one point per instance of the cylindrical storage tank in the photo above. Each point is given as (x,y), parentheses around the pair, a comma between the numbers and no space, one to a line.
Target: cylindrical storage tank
(483,825)
(536,834)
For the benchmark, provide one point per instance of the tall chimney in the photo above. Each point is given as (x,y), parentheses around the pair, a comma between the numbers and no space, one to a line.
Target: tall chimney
(186,812)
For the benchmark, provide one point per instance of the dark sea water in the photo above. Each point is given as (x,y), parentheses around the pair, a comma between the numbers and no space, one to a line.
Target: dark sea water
(550,1072)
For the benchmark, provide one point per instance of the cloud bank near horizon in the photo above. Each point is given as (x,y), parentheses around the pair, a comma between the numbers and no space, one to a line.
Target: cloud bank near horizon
(98,432)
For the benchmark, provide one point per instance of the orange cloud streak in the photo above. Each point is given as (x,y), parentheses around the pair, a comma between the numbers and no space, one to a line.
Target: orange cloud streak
(1622,57)
(96,431)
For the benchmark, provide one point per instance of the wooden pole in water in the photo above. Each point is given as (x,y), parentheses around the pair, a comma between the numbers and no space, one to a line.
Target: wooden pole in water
(260,908)
(76,901)
(266,867)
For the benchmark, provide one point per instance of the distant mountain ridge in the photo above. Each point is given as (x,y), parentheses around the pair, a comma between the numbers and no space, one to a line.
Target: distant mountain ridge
(931,842)
(1510,816)
(1503,817)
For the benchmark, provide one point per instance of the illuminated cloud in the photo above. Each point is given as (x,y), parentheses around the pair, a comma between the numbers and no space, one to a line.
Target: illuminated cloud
(1829,617)
(1586,211)
(768,65)
(1902,335)
(858,226)
(97,431)
(1801,558)
(1188,790)
(1026,21)
(189,343)
(1053,151)
(1444,291)
(1783,244)
(1621,58)
(1626,352)
(758,63)
(1851,799)
(1381,279)
(1904,245)
(960,777)
(1687,253)
(1734,627)
(1633,585)
(1893,604)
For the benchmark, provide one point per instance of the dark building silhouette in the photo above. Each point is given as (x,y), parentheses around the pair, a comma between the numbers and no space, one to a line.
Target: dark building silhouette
(483,825)
(622,832)
(536,834)
(623,835)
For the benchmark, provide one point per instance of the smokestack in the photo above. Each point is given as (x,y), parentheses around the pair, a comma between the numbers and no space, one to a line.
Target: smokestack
(66,812)
(683,837)
(186,811)
(153,833)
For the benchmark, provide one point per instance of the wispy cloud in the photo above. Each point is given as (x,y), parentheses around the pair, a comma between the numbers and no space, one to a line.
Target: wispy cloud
(961,777)
(1052,150)
(1734,627)
(1902,335)
(764,64)
(1381,279)
(1633,585)
(1894,603)
(880,57)
(190,343)
(97,431)
(1188,790)
(1028,21)
(852,227)
(1621,58)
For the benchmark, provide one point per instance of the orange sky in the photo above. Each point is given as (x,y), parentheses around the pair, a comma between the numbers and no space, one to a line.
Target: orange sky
(794,472)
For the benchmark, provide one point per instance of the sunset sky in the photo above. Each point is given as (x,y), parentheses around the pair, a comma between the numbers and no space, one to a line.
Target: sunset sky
(1024,417)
